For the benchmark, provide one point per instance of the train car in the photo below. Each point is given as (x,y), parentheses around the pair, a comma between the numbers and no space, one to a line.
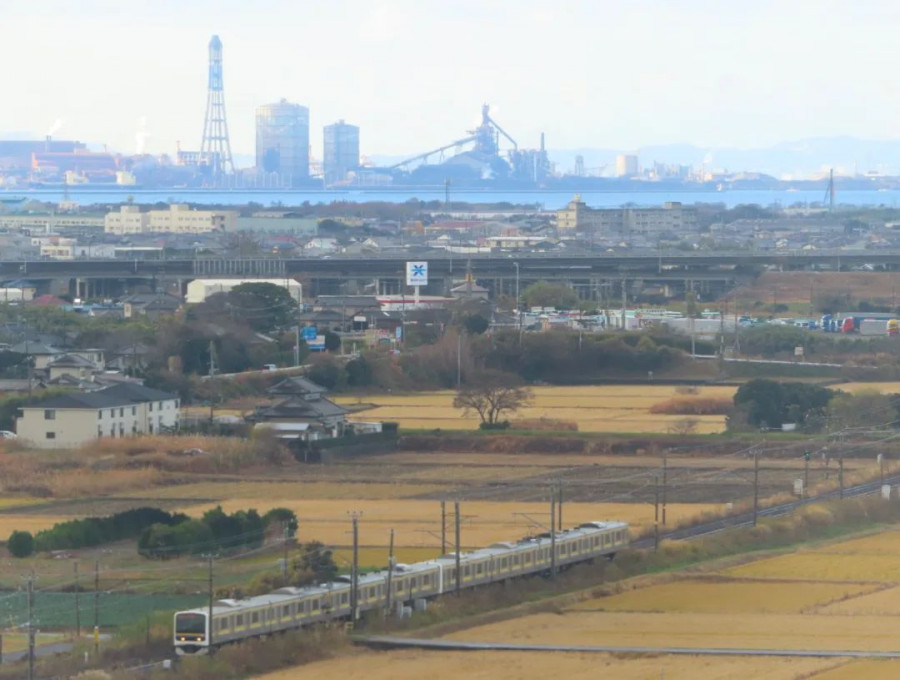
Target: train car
(893,327)
(291,608)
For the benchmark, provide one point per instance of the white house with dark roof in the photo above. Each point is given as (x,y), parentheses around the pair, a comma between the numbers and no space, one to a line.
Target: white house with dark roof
(72,420)
(304,413)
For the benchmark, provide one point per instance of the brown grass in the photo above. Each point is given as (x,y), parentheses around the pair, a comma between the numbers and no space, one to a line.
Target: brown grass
(544,424)
(680,629)
(417,664)
(694,406)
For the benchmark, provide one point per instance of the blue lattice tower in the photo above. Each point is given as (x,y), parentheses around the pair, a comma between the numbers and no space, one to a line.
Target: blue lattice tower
(215,149)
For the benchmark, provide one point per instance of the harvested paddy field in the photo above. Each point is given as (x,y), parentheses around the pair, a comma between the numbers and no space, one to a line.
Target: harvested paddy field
(415,664)
(418,523)
(838,595)
(685,629)
(736,597)
(603,408)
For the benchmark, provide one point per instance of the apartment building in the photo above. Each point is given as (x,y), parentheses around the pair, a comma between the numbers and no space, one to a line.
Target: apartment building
(671,217)
(75,419)
(178,219)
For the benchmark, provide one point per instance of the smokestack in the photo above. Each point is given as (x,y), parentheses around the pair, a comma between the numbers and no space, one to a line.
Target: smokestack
(542,142)
(47,144)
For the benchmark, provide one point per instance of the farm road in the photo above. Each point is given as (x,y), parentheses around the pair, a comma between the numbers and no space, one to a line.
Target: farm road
(387,642)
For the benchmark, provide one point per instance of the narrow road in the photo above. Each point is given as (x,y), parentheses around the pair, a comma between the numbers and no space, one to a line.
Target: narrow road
(42,650)
(388,642)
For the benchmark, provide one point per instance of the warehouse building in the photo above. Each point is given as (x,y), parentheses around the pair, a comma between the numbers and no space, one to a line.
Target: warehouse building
(199,290)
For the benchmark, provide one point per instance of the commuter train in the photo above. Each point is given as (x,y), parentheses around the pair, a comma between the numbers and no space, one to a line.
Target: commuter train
(289,608)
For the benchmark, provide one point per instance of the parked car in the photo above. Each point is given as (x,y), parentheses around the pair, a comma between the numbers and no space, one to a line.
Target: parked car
(6,434)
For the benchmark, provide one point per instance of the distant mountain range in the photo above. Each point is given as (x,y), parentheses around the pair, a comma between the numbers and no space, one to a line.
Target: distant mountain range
(795,159)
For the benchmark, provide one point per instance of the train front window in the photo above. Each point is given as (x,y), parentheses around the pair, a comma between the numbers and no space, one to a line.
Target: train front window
(190,624)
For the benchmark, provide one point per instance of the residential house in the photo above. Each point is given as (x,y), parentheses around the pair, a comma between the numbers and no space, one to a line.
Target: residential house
(303,413)
(150,305)
(75,419)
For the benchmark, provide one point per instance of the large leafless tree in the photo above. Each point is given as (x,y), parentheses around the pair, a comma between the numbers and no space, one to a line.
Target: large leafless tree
(491,395)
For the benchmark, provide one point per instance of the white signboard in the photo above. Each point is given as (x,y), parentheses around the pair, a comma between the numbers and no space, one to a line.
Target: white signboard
(416,273)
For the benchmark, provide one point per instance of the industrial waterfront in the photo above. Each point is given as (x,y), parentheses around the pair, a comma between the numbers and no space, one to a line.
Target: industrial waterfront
(540,198)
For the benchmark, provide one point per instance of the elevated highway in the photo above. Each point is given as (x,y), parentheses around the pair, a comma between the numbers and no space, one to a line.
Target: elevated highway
(496,271)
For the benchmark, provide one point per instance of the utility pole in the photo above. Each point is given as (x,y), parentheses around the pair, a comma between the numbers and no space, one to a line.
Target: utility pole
(755,486)
(656,514)
(213,369)
(552,534)
(458,560)
(77,604)
(390,578)
(559,514)
(458,360)
(209,618)
(443,527)
(841,472)
(284,554)
(656,499)
(31,626)
(518,305)
(96,606)
(665,479)
(354,574)
(806,457)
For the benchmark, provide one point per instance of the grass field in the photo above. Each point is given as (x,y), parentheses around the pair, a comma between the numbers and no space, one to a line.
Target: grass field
(415,664)
(726,597)
(684,629)
(813,565)
(788,287)
(32,523)
(606,408)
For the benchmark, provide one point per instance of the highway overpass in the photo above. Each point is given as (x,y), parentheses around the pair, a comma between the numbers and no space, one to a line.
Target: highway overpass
(498,272)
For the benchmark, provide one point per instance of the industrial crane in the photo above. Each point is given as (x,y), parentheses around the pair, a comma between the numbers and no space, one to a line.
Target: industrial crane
(485,137)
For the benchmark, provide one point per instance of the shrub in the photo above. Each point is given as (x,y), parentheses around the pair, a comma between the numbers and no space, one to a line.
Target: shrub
(684,426)
(549,424)
(216,530)
(20,544)
(694,406)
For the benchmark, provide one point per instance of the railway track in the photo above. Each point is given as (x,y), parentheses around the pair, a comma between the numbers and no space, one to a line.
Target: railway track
(746,518)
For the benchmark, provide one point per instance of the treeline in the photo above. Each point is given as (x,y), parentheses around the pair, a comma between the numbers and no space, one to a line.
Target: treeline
(558,356)
(160,534)
(567,356)
(91,531)
(215,531)
(769,404)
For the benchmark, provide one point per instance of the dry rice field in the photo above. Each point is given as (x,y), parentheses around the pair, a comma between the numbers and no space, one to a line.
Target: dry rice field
(850,601)
(417,523)
(838,595)
(606,408)
(415,664)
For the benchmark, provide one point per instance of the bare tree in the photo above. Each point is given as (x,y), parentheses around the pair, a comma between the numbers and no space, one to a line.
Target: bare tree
(492,394)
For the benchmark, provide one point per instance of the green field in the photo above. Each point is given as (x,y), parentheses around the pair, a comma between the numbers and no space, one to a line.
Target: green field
(57,610)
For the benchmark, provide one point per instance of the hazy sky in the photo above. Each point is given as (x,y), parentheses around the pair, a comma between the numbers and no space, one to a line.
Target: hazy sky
(413,73)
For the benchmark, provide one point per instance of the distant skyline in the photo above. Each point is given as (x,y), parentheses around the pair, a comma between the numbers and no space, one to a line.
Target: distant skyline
(413,74)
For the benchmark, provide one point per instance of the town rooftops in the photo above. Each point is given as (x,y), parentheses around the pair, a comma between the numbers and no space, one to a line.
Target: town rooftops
(299,407)
(296,385)
(71,361)
(123,394)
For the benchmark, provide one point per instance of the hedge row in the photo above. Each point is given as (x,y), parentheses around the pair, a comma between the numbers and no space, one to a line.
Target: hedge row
(216,531)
